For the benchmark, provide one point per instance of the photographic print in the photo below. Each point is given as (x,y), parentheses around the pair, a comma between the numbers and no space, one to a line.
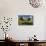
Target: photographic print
(25,20)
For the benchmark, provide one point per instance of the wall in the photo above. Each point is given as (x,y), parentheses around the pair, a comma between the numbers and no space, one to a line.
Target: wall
(13,8)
